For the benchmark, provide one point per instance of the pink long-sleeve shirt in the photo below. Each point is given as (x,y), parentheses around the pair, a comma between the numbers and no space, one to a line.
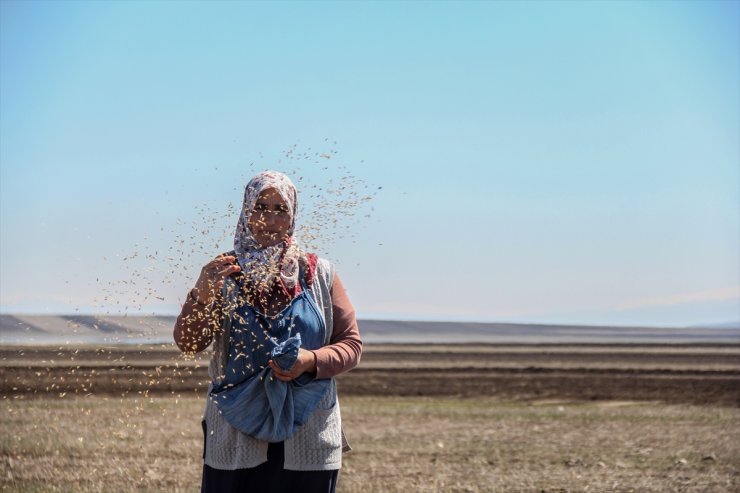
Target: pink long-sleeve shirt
(196,323)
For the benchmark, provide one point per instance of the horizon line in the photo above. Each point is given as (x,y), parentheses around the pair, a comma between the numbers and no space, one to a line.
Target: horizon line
(735,324)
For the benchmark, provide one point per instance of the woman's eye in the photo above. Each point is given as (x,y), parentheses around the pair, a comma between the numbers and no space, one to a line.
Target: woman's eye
(276,209)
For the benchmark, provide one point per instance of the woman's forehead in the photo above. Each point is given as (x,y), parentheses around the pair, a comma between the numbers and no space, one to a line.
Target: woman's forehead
(270,194)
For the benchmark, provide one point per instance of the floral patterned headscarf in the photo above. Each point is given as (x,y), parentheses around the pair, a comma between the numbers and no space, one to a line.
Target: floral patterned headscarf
(264,266)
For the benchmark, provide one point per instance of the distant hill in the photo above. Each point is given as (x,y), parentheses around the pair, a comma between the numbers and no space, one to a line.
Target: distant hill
(450,332)
(726,325)
(84,329)
(88,329)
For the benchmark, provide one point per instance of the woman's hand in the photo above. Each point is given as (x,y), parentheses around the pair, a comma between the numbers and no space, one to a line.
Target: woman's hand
(212,277)
(306,363)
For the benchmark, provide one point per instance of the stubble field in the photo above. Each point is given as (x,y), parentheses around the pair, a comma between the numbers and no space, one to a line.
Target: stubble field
(550,418)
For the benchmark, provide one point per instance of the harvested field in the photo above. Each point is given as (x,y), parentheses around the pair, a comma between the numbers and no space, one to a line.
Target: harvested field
(460,418)
(446,444)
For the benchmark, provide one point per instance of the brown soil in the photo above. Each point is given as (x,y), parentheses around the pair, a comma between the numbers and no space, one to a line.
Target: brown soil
(701,374)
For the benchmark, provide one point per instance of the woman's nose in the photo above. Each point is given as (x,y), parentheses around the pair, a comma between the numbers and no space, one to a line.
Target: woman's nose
(270,218)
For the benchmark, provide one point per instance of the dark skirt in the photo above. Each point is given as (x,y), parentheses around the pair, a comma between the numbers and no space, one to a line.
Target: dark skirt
(268,477)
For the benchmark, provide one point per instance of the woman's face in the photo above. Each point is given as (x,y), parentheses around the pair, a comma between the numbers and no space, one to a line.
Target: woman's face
(270,220)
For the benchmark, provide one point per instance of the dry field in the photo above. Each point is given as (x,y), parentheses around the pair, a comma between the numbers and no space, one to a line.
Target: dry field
(401,444)
(550,418)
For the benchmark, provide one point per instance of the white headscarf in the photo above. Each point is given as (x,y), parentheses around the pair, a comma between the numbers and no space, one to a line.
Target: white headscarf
(262,266)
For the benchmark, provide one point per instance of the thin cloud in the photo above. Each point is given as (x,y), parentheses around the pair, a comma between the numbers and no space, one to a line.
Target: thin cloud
(720,294)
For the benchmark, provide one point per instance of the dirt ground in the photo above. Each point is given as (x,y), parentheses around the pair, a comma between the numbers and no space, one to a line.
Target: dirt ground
(696,374)
(458,418)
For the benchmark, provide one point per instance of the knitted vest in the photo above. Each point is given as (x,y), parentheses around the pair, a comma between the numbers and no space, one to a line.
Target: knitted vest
(316,446)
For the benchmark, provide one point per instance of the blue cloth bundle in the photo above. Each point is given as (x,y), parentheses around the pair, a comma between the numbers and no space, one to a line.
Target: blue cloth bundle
(267,408)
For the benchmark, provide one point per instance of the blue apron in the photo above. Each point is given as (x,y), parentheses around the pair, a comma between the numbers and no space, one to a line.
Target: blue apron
(249,397)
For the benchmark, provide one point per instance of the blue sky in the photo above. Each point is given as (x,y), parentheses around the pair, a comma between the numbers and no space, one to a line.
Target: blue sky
(561,162)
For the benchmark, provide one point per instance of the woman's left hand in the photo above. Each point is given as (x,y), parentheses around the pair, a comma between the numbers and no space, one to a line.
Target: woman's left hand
(306,363)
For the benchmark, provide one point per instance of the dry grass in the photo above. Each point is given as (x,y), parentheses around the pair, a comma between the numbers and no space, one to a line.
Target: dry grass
(401,444)
(483,445)
(100,444)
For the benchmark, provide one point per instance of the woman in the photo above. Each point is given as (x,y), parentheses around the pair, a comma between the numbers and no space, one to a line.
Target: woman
(282,327)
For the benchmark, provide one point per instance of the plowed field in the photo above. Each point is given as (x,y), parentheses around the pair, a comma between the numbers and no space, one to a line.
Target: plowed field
(696,374)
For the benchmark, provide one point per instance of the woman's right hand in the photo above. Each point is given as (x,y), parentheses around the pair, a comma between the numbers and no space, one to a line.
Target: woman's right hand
(212,277)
